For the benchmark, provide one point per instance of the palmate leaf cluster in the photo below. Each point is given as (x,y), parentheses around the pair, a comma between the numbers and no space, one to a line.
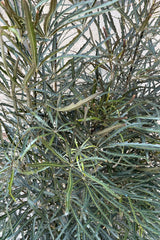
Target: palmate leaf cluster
(79,132)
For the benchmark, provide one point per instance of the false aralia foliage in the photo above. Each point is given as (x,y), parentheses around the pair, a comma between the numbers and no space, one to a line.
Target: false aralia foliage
(79,119)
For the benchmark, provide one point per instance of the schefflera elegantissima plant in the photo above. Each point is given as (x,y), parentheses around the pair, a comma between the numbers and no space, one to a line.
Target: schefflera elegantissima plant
(79,132)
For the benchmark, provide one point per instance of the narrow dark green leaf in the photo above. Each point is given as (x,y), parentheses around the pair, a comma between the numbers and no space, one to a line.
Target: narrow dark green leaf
(31,31)
(100,182)
(3,54)
(52,8)
(57,154)
(31,145)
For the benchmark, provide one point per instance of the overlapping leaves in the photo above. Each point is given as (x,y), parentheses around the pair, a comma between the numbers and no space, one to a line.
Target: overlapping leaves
(80,130)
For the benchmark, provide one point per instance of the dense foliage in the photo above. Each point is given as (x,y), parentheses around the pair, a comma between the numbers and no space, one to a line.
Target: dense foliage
(79,132)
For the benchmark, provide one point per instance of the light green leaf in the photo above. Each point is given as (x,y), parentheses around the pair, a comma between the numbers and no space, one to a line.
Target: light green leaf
(69,192)
(74,106)
(149,169)
(40,167)
(46,164)
(145,146)
(16,33)
(29,74)
(4,169)
(10,184)
(109,129)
